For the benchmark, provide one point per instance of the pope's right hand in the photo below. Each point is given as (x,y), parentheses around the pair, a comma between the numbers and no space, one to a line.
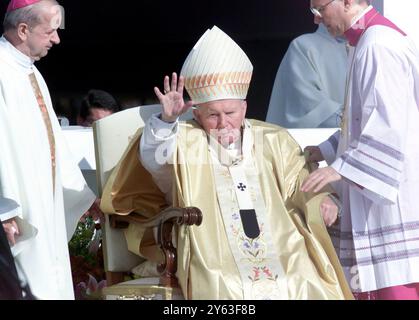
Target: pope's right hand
(172,99)
(11,229)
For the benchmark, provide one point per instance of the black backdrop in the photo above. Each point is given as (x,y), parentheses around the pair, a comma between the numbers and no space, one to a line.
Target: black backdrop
(126,47)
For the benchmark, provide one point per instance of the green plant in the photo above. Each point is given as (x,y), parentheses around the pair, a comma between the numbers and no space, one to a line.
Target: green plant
(86,256)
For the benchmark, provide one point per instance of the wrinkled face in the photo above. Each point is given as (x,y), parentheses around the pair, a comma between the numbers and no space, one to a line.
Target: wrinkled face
(95,114)
(222,119)
(42,37)
(332,15)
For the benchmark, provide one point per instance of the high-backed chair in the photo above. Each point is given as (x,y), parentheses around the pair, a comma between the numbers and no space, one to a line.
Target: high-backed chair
(112,136)
(311,137)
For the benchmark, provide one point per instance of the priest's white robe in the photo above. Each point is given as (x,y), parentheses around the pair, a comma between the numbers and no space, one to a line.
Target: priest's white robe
(378,239)
(310,83)
(47,217)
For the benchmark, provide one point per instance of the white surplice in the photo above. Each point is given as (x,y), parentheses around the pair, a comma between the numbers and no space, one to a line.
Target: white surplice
(310,84)
(47,217)
(378,154)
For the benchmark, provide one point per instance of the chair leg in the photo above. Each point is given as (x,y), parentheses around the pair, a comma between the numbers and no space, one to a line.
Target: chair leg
(114,278)
(168,281)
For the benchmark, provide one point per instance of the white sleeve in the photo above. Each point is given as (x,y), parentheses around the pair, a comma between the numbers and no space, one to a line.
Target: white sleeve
(10,206)
(77,196)
(376,160)
(8,209)
(329,147)
(157,145)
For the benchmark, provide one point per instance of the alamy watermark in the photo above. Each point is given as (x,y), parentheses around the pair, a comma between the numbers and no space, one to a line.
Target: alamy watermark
(192,151)
(57,13)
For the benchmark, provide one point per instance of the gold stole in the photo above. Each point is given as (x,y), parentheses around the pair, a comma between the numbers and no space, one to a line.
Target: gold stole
(237,185)
(47,121)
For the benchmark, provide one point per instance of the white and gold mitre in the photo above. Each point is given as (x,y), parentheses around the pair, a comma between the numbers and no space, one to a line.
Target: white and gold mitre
(216,68)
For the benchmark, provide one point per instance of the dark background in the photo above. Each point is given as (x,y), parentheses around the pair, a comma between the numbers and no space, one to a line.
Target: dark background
(126,47)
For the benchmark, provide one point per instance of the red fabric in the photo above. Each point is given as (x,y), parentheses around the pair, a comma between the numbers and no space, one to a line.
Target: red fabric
(406,292)
(371,18)
(17,4)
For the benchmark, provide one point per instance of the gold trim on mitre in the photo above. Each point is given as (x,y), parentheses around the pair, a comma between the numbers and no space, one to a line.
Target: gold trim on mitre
(216,68)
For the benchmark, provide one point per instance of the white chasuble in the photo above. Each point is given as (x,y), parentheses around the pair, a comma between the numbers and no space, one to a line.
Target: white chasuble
(47,213)
(309,86)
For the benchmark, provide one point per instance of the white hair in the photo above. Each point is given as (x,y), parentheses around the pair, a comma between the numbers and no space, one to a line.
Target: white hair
(29,15)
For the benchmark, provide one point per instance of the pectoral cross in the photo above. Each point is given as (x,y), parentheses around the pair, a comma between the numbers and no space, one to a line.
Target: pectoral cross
(241,187)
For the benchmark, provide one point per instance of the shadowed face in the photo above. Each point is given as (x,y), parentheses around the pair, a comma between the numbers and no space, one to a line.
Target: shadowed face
(222,119)
(332,15)
(94,115)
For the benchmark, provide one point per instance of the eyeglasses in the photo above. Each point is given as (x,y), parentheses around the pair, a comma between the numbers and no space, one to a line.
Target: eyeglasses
(318,11)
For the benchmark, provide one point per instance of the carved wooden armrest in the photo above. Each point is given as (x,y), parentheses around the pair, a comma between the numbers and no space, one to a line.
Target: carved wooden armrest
(164,221)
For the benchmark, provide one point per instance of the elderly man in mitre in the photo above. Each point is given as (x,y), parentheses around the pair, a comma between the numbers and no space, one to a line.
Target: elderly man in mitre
(261,238)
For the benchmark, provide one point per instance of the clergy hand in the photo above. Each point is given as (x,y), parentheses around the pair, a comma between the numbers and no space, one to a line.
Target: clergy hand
(319,179)
(329,211)
(313,154)
(11,229)
(172,99)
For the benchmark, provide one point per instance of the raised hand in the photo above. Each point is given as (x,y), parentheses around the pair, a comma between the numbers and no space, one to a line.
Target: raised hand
(172,99)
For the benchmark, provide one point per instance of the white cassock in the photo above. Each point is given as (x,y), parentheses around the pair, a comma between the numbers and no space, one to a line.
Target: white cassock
(47,217)
(309,87)
(379,150)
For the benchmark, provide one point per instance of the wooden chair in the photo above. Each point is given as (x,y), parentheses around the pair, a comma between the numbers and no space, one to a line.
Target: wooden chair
(111,136)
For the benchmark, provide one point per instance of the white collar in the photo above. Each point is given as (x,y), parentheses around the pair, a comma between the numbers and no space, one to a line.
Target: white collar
(20,58)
